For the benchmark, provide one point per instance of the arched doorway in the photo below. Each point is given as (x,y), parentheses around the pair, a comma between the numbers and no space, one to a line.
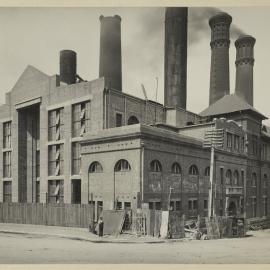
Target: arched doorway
(232,209)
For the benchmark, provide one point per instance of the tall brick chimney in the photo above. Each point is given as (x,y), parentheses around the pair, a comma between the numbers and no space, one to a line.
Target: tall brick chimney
(220,43)
(110,61)
(244,67)
(175,69)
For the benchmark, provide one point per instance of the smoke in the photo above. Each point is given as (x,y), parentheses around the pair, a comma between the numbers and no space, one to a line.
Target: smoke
(198,24)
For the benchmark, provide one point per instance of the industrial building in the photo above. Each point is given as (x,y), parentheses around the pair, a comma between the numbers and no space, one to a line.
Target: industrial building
(66,140)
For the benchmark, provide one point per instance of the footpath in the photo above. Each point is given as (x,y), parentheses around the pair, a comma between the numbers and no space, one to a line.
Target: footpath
(76,234)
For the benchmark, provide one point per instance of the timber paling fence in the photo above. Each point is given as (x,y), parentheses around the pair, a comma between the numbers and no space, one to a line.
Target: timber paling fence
(67,215)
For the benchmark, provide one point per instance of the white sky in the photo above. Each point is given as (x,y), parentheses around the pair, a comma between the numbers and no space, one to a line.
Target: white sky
(36,35)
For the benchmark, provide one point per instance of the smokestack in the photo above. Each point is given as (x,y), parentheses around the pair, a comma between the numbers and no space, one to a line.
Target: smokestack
(220,43)
(175,69)
(68,65)
(244,68)
(110,62)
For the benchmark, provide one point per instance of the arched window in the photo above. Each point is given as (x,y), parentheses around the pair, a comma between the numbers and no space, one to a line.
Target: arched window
(155,166)
(228,177)
(132,120)
(236,178)
(254,180)
(207,171)
(193,170)
(176,169)
(122,165)
(95,167)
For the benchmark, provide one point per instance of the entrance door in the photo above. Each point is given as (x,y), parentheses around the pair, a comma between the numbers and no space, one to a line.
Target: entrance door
(232,209)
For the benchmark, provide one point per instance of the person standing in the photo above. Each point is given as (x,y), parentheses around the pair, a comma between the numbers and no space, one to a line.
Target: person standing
(100,227)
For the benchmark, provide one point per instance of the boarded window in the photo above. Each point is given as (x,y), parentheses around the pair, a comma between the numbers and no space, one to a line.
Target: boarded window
(56,159)
(155,166)
(7,164)
(122,165)
(7,135)
(55,191)
(95,167)
(76,158)
(7,191)
(56,124)
(193,170)
(176,169)
(80,118)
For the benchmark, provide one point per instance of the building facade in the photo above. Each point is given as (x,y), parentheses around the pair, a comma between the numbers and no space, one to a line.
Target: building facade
(66,140)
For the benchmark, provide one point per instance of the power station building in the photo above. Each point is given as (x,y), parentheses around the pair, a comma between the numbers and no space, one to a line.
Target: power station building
(66,140)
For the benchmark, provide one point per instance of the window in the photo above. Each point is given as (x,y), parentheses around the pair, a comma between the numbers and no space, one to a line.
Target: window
(76,191)
(236,142)
(265,210)
(155,166)
(236,178)
(151,205)
(118,205)
(7,191)
(55,191)
(132,120)
(207,171)
(56,124)
(158,205)
(242,178)
(7,164)
(178,205)
(192,204)
(76,158)
(242,144)
(193,170)
(264,151)
(254,206)
(176,169)
(95,167)
(80,118)
(56,161)
(254,144)
(122,165)
(37,164)
(221,176)
(254,180)
(7,135)
(228,177)
(205,204)
(37,192)
(118,120)
(229,140)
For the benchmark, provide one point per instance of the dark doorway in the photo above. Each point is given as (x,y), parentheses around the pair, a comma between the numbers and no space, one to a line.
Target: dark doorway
(232,209)
(76,191)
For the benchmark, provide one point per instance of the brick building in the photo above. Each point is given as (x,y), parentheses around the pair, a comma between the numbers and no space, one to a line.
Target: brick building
(66,140)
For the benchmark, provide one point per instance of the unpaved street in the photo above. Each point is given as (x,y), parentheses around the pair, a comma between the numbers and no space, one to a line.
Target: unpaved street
(20,248)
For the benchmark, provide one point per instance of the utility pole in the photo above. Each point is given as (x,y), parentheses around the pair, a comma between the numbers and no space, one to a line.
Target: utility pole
(211,211)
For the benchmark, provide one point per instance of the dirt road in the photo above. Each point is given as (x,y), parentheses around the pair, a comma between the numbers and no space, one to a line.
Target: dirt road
(19,248)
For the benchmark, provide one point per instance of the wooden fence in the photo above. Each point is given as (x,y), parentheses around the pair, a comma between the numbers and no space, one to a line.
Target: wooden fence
(67,215)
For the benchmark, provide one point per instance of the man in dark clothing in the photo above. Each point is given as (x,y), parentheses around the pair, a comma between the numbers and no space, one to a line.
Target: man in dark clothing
(100,227)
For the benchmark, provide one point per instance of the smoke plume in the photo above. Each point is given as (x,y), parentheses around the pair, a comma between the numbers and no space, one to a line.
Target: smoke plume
(198,24)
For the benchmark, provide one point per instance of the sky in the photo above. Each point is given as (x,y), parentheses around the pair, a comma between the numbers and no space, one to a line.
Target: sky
(35,36)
